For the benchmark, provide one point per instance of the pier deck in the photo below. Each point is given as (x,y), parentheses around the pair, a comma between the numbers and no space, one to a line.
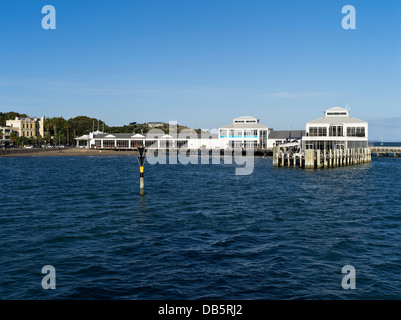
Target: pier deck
(385,151)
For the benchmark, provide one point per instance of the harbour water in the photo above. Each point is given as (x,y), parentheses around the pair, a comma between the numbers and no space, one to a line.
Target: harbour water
(200,232)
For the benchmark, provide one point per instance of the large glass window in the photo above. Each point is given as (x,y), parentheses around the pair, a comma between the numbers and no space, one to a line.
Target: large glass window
(122,143)
(108,143)
(250,133)
(251,145)
(356,131)
(317,131)
(235,144)
(223,133)
(235,133)
(151,144)
(136,143)
(336,131)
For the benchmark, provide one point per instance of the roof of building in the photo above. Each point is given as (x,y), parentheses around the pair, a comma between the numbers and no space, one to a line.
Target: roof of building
(246,118)
(113,135)
(244,126)
(336,120)
(139,136)
(336,109)
(284,134)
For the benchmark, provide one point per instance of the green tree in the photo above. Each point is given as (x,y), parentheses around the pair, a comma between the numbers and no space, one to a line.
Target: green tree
(39,140)
(13,137)
(47,138)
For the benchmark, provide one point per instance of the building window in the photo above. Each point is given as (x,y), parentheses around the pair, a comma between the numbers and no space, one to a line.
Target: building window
(98,143)
(151,144)
(251,133)
(356,132)
(122,143)
(317,131)
(336,113)
(136,143)
(223,133)
(108,143)
(235,133)
(336,131)
(251,145)
(235,144)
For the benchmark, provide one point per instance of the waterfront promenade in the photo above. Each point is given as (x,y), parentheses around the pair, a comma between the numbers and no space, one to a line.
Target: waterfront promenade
(40,152)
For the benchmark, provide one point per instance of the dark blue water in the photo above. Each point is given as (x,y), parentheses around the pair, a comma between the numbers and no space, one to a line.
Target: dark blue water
(201,232)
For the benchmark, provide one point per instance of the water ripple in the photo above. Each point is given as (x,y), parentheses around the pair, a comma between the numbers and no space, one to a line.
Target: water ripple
(200,232)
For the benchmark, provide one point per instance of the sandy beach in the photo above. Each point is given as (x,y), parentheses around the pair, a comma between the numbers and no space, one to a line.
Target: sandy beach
(63,152)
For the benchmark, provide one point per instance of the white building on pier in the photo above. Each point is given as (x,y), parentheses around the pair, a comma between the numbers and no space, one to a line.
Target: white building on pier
(336,130)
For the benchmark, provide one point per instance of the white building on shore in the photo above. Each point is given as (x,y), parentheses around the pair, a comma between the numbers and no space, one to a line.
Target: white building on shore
(244,133)
(336,130)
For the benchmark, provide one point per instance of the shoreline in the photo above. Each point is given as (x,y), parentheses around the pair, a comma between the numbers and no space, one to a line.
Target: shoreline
(64,152)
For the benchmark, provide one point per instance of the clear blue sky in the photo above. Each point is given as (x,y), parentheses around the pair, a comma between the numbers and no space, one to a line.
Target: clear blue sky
(203,62)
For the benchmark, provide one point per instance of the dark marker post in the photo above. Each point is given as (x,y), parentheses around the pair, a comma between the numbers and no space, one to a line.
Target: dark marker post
(141,160)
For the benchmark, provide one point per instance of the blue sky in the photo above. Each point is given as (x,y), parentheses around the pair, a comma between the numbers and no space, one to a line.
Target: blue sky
(203,62)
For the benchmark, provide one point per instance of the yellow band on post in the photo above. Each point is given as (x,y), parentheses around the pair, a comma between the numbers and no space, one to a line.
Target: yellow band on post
(141,169)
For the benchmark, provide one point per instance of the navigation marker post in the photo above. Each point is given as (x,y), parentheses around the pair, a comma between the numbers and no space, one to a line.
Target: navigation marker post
(141,160)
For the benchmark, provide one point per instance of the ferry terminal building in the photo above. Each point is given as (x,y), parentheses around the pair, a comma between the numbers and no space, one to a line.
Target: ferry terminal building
(336,129)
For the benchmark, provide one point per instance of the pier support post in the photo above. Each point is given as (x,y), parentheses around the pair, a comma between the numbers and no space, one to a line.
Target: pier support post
(275,156)
(330,158)
(318,156)
(309,159)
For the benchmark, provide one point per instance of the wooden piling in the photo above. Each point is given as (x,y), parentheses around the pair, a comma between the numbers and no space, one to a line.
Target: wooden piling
(309,159)
(275,156)
(319,163)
